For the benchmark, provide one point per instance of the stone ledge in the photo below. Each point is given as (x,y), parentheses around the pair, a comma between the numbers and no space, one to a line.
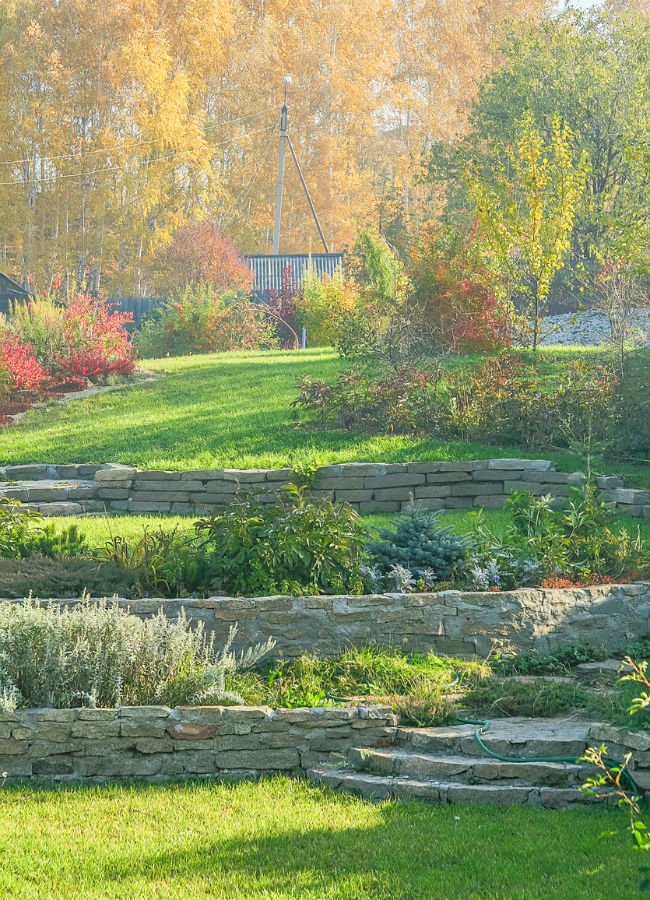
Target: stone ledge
(368,487)
(155,741)
(461,623)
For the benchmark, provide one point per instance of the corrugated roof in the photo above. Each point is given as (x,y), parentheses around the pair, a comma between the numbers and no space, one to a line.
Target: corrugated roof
(10,291)
(270,271)
(11,288)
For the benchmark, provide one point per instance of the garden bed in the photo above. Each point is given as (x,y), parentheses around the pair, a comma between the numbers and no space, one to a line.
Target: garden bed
(22,402)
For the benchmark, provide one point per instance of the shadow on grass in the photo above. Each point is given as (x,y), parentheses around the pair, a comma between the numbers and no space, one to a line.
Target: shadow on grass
(408,850)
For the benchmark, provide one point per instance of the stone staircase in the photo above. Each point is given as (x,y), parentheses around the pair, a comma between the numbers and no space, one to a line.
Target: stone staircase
(447,765)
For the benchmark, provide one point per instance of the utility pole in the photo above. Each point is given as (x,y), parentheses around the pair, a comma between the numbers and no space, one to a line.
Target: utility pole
(284,140)
(284,121)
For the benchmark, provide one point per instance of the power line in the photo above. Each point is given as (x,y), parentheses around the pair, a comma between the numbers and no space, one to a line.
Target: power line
(139,143)
(61,176)
(245,191)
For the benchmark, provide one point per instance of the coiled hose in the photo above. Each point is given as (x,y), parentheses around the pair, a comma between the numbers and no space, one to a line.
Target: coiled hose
(482,726)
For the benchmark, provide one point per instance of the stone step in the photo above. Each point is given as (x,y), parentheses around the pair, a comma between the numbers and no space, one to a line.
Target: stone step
(383,787)
(607,671)
(466,769)
(515,737)
(53,497)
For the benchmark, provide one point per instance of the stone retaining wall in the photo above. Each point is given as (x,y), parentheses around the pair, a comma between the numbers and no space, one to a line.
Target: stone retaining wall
(153,742)
(369,487)
(449,622)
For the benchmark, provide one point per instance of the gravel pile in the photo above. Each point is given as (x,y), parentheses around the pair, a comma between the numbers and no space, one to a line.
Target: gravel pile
(589,328)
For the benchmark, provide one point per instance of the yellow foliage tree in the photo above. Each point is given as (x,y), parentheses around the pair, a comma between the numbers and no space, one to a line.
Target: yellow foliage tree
(125,120)
(526,215)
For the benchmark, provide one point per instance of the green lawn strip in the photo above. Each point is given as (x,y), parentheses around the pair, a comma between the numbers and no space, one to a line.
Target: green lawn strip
(100,529)
(233,410)
(281,839)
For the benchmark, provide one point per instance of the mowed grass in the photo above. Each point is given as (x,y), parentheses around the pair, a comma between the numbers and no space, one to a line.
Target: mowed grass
(286,839)
(231,410)
(98,530)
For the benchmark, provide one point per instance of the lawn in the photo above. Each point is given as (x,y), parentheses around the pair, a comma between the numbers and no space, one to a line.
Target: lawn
(284,838)
(100,529)
(228,410)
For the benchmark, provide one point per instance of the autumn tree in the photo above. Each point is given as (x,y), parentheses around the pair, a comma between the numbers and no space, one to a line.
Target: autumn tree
(200,254)
(124,121)
(593,69)
(105,151)
(526,213)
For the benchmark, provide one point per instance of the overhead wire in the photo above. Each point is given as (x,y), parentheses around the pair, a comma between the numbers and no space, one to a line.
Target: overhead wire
(65,175)
(135,143)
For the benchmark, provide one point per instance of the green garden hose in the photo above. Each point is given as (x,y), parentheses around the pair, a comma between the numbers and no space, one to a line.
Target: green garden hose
(482,726)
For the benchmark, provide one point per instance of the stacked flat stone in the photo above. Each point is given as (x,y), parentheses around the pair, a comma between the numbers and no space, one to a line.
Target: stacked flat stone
(153,742)
(452,623)
(368,487)
(360,749)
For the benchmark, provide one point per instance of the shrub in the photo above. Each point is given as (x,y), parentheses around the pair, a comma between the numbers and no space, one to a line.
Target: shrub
(377,270)
(322,307)
(401,401)
(297,545)
(47,577)
(23,534)
(46,540)
(17,360)
(201,254)
(418,544)
(508,398)
(577,544)
(202,321)
(82,339)
(384,326)
(504,399)
(15,524)
(96,654)
(455,294)
(40,323)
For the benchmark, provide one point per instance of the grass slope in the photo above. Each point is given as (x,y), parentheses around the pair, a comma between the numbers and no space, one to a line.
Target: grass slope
(234,410)
(218,410)
(281,839)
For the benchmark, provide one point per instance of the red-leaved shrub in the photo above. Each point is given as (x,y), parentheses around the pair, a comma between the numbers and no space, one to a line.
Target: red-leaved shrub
(201,254)
(82,338)
(24,371)
(96,339)
(456,298)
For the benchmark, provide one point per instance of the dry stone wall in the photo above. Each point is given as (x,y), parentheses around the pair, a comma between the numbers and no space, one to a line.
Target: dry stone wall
(368,487)
(154,742)
(449,622)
